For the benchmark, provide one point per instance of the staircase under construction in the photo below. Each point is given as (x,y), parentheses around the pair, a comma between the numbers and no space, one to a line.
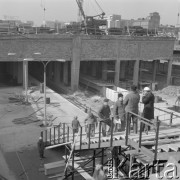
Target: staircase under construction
(142,150)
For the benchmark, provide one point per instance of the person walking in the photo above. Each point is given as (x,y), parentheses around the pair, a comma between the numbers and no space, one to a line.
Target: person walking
(119,113)
(75,125)
(148,111)
(90,124)
(41,147)
(104,115)
(131,102)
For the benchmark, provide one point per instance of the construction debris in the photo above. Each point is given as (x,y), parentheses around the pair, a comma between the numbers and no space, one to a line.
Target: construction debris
(170,90)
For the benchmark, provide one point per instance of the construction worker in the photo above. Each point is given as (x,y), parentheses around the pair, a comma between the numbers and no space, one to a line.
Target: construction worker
(41,147)
(148,101)
(90,122)
(104,114)
(131,102)
(75,125)
(119,113)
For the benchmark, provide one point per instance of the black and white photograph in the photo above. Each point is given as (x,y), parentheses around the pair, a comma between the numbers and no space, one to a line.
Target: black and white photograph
(89,89)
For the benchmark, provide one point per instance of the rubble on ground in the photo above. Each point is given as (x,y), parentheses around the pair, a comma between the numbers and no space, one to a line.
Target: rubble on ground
(170,90)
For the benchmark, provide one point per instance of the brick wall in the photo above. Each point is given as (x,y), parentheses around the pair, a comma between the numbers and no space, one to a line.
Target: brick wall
(92,47)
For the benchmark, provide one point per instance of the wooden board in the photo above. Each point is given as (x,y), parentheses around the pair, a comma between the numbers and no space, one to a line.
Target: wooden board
(54,168)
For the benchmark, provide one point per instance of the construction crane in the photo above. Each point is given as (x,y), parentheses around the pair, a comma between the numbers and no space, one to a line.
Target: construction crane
(91,24)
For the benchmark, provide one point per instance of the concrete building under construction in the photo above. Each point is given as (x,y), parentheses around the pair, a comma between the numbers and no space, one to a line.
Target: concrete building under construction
(92,61)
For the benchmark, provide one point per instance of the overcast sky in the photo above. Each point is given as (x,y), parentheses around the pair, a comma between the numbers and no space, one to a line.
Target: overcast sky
(66,10)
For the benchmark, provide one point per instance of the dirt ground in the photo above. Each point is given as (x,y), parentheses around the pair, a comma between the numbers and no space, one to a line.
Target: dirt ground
(19,133)
(18,141)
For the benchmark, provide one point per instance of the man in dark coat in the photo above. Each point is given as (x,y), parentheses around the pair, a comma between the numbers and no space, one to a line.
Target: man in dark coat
(41,147)
(104,114)
(131,102)
(119,113)
(148,101)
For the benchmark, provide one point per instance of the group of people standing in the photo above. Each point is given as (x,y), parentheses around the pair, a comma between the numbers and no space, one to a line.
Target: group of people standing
(121,112)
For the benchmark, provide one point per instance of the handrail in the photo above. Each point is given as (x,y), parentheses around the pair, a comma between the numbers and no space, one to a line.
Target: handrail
(143,120)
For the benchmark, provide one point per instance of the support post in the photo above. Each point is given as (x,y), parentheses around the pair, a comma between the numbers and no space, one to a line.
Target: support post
(154,70)
(99,134)
(117,72)
(45,119)
(171,118)
(25,78)
(136,73)
(73,165)
(112,128)
(140,134)
(127,128)
(94,68)
(102,157)
(75,64)
(94,159)
(80,137)
(65,73)
(157,136)
(104,70)
(169,71)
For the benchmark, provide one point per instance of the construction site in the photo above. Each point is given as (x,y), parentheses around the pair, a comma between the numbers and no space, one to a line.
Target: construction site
(46,80)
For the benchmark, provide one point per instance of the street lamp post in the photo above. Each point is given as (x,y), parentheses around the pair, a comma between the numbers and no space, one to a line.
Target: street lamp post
(45,63)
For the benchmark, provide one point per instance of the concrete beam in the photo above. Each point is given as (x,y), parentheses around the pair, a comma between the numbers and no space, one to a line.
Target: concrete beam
(169,71)
(75,64)
(136,73)
(117,72)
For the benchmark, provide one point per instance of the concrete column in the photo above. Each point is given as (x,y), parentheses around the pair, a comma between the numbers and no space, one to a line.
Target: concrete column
(117,72)
(20,73)
(169,71)
(15,70)
(136,73)
(8,67)
(84,67)
(11,68)
(75,64)
(65,73)
(94,69)
(25,74)
(122,69)
(154,70)
(57,72)
(104,70)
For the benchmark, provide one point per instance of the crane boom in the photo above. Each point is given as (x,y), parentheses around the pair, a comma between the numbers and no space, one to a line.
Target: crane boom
(81,8)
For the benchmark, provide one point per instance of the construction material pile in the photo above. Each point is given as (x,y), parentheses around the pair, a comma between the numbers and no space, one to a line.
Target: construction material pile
(171,90)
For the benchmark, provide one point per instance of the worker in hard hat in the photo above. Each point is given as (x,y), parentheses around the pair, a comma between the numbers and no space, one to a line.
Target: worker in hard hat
(41,147)
(148,101)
